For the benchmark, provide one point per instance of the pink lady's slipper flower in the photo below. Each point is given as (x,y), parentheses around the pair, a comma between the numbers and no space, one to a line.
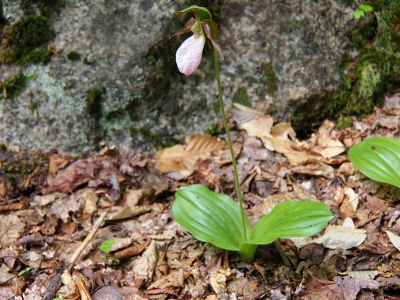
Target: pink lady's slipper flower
(188,56)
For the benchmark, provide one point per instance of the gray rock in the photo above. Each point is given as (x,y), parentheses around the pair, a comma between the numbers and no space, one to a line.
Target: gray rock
(281,52)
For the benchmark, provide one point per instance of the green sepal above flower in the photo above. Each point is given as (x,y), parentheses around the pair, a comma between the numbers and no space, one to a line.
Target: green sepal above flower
(200,13)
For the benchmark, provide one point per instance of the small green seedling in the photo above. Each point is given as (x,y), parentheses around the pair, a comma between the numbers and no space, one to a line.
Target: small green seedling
(361,12)
(105,247)
(27,269)
(217,218)
(378,158)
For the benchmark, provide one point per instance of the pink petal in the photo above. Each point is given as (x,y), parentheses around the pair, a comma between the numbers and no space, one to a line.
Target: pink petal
(188,56)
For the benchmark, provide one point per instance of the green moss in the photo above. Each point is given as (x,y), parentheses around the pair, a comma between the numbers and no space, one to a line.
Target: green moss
(271,79)
(344,122)
(17,167)
(26,38)
(8,177)
(154,139)
(13,87)
(86,61)
(241,97)
(213,130)
(93,102)
(73,55)
(374,72)
(3,147)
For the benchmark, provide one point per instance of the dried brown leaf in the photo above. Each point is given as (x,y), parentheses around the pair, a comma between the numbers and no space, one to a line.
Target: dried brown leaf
(66,180)
(283,130)
(11,227)
(285,147)
(218,279)
(313,288)
(130,251)
(127,212)
(242,114)
(258,128)
(170,159)
(162,266)
(316,169)
(83,290)
(170,284)
(107,292)
(5,274)
(327,143)
(183,159)
(120,243)
(352,286)
(144,267)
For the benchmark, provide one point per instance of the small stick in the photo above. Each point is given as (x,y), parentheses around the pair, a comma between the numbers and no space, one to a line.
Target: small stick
(87,240)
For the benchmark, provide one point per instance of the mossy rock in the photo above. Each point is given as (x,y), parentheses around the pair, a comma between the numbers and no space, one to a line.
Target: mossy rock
(241,96)
(374,72)
(26,41)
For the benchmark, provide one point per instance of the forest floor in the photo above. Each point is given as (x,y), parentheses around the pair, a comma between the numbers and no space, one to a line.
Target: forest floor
(51,205)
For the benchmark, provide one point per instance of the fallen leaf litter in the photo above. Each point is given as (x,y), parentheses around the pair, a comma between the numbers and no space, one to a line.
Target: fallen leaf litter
(50,203)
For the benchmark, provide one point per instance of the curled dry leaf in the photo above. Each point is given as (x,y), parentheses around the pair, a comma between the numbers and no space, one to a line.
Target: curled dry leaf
(283,130)
(170,284)
(258,128)
(394,238)
(144,267)
(327,145)
(127,212)
(242,114)
(130,251)
(218,279)
(183,159)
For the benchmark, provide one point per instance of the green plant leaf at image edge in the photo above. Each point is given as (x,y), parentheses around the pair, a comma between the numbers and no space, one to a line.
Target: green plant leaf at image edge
(366,7)
(378,158)
(291,219)
(210,217)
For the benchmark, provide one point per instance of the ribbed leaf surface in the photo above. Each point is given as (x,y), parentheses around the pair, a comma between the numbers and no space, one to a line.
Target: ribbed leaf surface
(378,158)
(210,217)
(291,219)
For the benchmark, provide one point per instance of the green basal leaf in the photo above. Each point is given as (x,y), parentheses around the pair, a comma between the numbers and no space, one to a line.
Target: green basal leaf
(200,13)
(291,219)
(358,14)
(106,246)
(210,217)
(378,158)
(366,7)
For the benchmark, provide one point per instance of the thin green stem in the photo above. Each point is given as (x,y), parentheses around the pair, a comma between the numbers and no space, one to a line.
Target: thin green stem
(228,136)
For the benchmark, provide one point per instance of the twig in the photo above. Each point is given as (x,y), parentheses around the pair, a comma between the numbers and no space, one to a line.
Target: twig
(87,240)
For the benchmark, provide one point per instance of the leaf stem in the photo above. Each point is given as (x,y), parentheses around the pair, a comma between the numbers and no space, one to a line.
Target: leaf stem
(228,136)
